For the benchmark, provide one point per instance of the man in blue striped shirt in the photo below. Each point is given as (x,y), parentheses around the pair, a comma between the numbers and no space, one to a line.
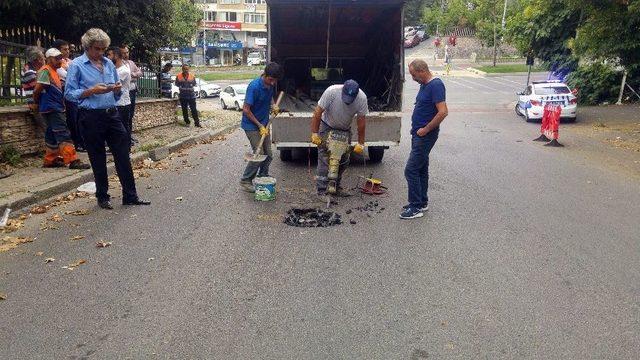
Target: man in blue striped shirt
(92,82)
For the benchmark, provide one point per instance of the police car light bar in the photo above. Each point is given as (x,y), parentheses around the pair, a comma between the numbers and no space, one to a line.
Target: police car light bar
(547,82)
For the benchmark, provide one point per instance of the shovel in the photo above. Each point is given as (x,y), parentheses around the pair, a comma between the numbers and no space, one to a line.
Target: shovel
(256,156)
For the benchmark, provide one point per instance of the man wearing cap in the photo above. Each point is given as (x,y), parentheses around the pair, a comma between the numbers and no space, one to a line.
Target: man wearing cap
(335,111)
(92,81)
(255,117)
(49,97)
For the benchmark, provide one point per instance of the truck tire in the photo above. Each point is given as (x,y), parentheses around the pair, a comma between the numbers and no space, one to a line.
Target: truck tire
(286,155)
(376,154)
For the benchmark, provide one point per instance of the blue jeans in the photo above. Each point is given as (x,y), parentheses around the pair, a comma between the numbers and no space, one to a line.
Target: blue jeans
(57,131)
(417,170)
(259,169)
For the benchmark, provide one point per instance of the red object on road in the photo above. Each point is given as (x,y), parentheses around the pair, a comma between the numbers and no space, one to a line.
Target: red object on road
(554,125)
(436,42)
(550,125)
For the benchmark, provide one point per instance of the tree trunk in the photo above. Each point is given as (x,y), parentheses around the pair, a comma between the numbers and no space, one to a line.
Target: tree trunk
(495,42)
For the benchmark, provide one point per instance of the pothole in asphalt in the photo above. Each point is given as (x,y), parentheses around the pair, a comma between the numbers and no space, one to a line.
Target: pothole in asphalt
(312,218)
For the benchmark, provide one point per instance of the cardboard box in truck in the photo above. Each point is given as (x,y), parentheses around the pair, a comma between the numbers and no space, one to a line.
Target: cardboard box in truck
(320,43)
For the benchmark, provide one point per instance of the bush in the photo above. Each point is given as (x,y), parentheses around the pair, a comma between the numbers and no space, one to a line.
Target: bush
(596,83)
(9,155)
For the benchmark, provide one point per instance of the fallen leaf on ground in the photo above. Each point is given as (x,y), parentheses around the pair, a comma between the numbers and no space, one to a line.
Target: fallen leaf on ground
(150,259)
(80,212)
(3,296)
(77,237)
(12,225)
(23,217)
(11,242)
(49,260)
(39,210)
(74,265)
(39,253)
(102,244)
(179,198)
(56,218)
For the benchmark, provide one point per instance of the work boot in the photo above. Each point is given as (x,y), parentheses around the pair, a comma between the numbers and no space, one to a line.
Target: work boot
(341,192)
(247,186)
(78,165)
(58,162)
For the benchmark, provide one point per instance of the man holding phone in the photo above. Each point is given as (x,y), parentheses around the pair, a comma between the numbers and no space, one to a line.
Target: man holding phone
(92,82)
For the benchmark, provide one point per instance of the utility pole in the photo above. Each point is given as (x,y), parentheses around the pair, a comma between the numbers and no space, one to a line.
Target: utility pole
(504,15)
(204,37)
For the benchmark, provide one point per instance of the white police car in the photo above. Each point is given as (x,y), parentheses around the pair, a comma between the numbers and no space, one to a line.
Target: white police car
(532,100)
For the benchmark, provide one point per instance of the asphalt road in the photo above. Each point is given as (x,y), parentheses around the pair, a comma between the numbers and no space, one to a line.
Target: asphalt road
(526,252)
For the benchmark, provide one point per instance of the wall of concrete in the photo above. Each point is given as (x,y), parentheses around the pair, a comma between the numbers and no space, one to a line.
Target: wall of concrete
(17,128)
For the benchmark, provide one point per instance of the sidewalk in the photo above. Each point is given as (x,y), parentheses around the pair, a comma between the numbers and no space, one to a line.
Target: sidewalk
(30,183)
(609,135)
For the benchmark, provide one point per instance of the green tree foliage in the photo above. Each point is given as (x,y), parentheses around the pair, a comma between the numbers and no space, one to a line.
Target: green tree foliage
(143,24)
(596,83)
(447,14)
(610,31)
(546,27)
(413,11)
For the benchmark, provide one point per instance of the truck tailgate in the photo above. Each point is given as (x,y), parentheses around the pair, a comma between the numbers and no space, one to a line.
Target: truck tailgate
(294,129)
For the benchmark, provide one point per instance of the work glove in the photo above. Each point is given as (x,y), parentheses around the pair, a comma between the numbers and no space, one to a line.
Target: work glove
(275,110)
(358,149)
(316,139)
(264,131)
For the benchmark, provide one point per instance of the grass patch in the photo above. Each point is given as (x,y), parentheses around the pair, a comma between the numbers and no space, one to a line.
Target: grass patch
(9,155)
(508,68)
(149,146)
(214,76)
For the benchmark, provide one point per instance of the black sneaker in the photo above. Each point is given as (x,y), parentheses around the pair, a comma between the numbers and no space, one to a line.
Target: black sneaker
(423,208)
(79,165)
(411,213)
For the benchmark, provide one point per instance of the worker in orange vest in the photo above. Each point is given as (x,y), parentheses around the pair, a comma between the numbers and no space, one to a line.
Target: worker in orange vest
(185,82)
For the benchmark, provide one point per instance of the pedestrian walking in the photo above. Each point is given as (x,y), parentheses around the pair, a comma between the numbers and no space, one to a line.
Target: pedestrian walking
(185,83)
(429,112)
(165,80)
(255,117)
(93,82)
(28,81)
(136,73)
(70,106)
(337,107)
(49,97)
(124,103)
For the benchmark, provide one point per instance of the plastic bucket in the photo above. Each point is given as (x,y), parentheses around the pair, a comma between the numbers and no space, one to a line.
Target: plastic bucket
(265,188)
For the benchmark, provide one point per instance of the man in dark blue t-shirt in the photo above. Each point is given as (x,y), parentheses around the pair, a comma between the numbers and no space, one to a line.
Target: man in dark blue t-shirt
(255,117)
(430,109)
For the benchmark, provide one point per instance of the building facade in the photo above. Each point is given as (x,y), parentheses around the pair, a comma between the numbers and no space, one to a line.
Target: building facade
(231,29)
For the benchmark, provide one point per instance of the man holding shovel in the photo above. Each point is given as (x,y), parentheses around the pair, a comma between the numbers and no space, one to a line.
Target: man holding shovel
(255,120)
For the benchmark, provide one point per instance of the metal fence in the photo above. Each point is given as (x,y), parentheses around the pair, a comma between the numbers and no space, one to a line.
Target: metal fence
(12,61)
(149,83)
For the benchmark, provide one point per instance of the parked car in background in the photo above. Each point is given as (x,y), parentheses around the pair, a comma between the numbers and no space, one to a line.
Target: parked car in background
(409,31)
(233,96)
(532,100)
(421,34)
(411,41)
(203,89)
(255,58)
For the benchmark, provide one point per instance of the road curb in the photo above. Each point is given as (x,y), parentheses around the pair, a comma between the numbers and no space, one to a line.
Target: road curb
(486,74)
(46,191)
(476,71)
